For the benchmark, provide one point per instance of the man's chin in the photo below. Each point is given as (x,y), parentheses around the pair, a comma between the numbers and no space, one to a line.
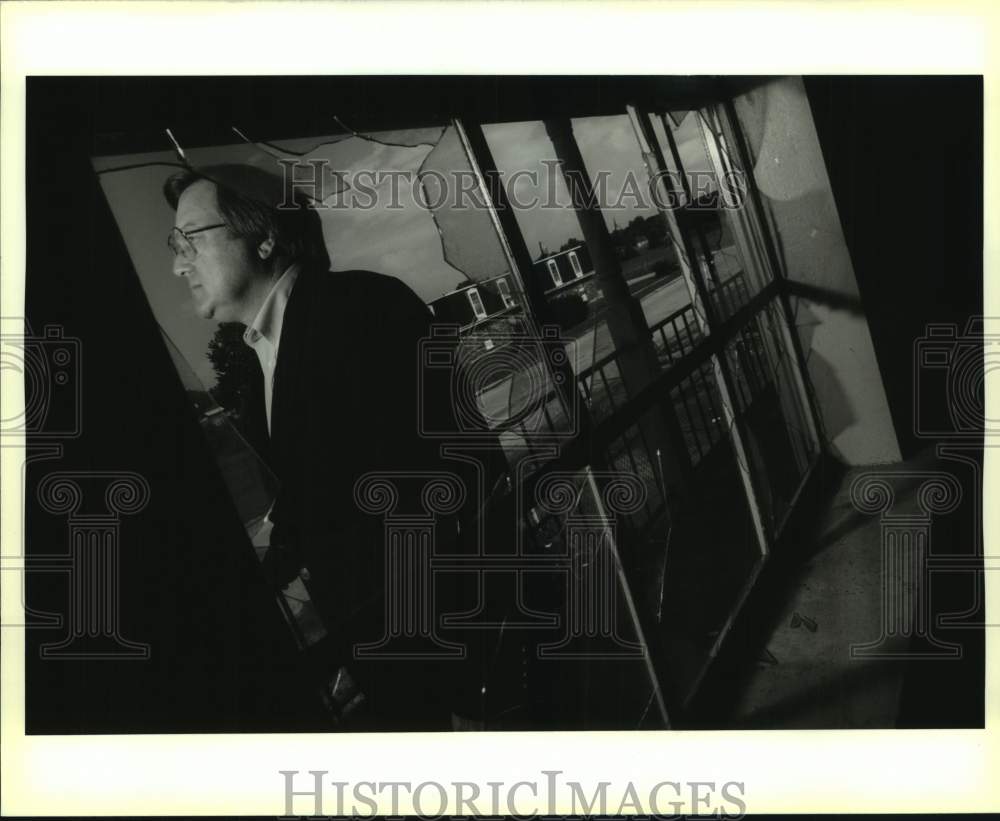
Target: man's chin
(204,311)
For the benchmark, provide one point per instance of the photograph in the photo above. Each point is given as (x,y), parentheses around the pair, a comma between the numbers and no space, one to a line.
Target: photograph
(483,403)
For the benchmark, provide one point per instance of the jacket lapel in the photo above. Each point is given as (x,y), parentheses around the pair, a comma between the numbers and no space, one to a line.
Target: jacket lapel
(253,415)
(288,375)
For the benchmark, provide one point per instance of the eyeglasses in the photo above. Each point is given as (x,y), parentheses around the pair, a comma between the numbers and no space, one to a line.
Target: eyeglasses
(180,243)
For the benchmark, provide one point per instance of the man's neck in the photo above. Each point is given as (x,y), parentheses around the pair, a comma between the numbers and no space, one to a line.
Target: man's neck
(259,291)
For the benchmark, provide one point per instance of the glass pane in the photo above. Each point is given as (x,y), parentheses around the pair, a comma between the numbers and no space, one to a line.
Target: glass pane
(503,383)
(637,229)
(711,546)
(744,218)
(694,531)
(640,234)
(450,192)
(699,409)
(676,330)
(596,668)
(563,264)
(711,208)
(773,420)
(634,453)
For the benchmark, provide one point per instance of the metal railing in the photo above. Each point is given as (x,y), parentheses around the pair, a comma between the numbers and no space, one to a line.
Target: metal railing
(677,335)
(607,371)
(674,337)
(694,397)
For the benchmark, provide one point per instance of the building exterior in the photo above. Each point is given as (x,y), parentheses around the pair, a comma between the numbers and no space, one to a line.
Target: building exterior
(564,270)
(475,303)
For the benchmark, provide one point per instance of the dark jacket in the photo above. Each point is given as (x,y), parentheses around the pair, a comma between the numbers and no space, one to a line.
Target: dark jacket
(345,403)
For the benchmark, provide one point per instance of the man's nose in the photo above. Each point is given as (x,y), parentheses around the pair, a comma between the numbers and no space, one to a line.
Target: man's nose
(182,266)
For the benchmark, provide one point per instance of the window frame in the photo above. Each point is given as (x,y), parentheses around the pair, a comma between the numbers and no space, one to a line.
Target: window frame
(554,272)
(474,297)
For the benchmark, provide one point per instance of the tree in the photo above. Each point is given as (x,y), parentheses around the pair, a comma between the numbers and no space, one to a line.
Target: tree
(234,363)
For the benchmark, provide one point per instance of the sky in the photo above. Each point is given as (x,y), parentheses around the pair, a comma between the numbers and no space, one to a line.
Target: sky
(607,145)
(432,253)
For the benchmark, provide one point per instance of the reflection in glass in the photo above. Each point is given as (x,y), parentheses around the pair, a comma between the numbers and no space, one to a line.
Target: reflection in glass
(712,547)
(710,209)
(776,433)
(600,670)
(643,244)
(699,409)
(708,540)
(608,340)
(637,230)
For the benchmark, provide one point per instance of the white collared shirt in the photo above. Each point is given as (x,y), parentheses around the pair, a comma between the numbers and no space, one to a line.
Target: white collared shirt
(264,333)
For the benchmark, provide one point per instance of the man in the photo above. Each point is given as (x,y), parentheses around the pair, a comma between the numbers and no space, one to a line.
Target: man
(335,397)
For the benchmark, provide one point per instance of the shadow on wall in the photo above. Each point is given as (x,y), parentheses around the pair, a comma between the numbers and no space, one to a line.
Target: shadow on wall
(799,208)
(838,413)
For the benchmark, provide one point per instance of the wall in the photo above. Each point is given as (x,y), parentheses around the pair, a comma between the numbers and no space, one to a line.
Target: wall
(791,175)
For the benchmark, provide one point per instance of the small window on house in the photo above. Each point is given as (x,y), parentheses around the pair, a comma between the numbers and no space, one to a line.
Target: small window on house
(575,262)
(504,290)
(554,273)
(476,302)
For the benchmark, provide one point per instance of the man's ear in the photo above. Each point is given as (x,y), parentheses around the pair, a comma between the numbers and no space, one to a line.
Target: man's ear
(266,248)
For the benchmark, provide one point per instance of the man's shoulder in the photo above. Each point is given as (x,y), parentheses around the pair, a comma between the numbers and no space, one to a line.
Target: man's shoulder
(358,303)
(366,285)
(357,296)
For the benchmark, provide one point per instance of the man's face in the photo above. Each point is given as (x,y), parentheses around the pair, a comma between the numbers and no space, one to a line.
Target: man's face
(223,272)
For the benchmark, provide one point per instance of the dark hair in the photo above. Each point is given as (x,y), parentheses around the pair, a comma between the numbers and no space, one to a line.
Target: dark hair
(252,203)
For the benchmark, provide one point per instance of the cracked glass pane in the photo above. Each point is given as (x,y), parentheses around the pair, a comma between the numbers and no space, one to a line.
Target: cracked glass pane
(711,209)
(459,209)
